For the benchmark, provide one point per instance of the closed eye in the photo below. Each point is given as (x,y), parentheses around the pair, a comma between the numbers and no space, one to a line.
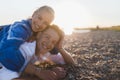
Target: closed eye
(46,36)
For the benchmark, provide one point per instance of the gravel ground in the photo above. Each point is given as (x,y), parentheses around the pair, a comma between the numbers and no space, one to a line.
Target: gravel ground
(97,55)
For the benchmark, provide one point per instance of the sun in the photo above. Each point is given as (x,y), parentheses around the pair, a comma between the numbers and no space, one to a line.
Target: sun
(70,14)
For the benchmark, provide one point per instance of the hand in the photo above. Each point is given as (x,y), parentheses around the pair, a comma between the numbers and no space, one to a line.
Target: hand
(61,73)
(42,74)
(29,68)
(59,45)
(47,75)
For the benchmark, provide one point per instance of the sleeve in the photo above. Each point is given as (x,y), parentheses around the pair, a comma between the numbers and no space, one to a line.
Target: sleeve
(19,31)
(12,59)
(10,43)
(17,34)
(57,58)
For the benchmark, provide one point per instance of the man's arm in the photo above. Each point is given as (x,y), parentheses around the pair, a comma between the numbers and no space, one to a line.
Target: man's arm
(67,57)
(40,73)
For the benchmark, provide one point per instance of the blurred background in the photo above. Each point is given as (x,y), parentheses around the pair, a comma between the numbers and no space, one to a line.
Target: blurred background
(69,14)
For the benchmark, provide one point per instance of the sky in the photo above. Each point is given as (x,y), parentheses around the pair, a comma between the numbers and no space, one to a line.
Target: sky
(68,13)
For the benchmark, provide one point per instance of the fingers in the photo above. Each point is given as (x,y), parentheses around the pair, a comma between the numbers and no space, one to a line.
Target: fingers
(60,72)
(49,75)
(53,76)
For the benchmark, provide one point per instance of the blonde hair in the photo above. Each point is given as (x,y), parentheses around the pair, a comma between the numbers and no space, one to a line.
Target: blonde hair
(46,8)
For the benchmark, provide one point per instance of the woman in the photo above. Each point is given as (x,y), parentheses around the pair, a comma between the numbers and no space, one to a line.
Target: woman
(14,35)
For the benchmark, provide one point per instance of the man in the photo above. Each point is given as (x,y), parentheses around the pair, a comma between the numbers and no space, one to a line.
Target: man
(46,41)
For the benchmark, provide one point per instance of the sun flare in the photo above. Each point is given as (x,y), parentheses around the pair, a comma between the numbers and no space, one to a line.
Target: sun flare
(68,30)
(71,14)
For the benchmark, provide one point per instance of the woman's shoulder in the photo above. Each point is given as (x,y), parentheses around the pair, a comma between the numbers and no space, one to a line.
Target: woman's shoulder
(20,29)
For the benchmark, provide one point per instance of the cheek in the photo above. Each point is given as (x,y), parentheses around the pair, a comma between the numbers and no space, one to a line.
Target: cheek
(44,26)
(38,42)
(52,47)
(35,20)
(33,23)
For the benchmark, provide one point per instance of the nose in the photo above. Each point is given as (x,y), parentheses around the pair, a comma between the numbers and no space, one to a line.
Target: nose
(40,23)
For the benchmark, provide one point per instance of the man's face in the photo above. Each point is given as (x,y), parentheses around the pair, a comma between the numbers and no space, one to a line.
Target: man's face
(40,20)
(46,40)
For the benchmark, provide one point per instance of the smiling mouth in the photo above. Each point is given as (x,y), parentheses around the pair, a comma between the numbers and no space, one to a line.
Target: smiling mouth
(37,26)
(45,46)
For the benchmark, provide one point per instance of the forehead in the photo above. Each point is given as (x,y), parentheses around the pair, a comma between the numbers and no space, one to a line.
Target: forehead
(52,33)
(46,15)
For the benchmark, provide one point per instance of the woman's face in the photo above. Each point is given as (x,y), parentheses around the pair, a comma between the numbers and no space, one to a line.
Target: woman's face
(40,20)
(47,40)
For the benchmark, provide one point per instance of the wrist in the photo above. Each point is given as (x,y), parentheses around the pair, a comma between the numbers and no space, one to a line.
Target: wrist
(37,71)
(30,69)
(61,49)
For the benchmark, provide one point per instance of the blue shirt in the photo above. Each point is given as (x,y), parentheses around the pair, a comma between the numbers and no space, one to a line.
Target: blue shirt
(11,37)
